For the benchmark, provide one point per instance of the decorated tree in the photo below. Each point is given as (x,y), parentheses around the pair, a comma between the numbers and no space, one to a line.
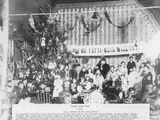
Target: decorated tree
(44,51)
(46,39)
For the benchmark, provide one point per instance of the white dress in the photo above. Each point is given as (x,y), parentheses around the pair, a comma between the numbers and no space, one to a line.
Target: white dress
(98,81)
(58,87)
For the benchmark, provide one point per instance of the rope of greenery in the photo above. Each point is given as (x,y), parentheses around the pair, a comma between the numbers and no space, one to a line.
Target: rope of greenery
(118,26)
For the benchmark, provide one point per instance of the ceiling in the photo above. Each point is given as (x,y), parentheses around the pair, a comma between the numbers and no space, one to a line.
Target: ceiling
(32,6)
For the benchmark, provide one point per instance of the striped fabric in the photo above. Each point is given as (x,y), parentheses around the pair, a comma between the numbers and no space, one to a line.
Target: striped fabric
(141,30)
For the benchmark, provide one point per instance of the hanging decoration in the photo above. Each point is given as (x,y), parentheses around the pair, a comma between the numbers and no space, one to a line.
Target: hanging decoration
(52,17)
(70,27)
(32,23)
(123,25)
(123,33)
(91,24)
(55,18)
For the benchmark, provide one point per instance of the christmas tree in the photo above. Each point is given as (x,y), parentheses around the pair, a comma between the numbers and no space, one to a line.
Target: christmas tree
(45,54)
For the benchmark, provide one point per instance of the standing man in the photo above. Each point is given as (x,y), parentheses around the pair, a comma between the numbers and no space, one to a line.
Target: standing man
(157,66)
(131,64)
(103,67)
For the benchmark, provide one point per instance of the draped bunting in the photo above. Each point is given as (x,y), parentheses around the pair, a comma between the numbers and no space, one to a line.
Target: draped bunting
(118,26)
(70,27)
(90,25)
(38,24)
(32,23)
(94,23)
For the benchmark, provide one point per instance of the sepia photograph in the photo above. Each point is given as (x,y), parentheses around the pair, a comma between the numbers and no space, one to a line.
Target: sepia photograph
(80,55)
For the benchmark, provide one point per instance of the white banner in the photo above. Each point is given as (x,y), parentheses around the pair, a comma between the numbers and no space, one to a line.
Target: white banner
(81,112)
(105,50)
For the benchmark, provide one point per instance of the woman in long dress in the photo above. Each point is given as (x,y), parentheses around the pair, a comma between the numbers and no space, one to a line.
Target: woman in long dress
(98,79)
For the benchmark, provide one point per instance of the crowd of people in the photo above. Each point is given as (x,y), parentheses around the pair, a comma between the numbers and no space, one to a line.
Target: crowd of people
(131,81)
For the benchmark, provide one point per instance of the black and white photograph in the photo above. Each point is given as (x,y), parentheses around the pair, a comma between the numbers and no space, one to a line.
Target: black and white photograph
(79,53)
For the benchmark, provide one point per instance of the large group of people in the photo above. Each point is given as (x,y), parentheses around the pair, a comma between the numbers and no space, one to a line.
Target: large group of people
(131,81)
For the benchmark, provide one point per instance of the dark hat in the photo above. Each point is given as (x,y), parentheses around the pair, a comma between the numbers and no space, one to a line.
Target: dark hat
(131,56)
(103,59)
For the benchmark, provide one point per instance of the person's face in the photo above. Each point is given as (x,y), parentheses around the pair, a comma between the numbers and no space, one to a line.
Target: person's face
(134,69)
(27,72)
(29,85)
(89,70)
(123,64)
(83,69)
(98,72)
(21,85)
(150,88)
(112,69)
(87,78)
(88,86)
(132,92)
(122,77)
(158,91)
(119,66)
(131,69)
(67,84)
(62,67)
(67,67)
(158,79)
(79,89)
(146,70)
(142,66)
(102,62)
(82,79)
(21,75)
(74,80)
(131,59)
(25,82)
(117,69)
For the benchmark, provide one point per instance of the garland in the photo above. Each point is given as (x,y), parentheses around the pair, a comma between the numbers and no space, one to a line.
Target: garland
(70,27)
(49,26)
(118,26)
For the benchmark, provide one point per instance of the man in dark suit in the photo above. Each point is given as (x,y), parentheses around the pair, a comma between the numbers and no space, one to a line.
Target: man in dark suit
(131,64)
(103,67)
(157,66)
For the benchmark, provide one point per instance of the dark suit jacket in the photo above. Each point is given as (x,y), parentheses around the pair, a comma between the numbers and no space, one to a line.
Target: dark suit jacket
(130,65)
(104,70)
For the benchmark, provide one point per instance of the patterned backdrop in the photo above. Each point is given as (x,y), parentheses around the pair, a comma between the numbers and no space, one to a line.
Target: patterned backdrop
(141,29)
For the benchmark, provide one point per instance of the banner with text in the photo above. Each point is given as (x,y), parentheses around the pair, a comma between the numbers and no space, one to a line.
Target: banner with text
(105,50)
(81,112)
